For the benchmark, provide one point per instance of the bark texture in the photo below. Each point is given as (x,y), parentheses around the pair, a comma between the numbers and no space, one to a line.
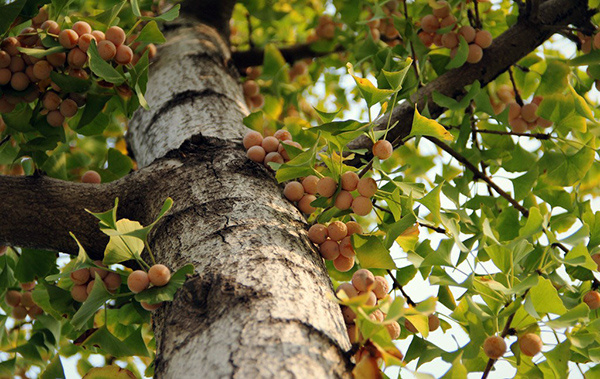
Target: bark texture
(260,302)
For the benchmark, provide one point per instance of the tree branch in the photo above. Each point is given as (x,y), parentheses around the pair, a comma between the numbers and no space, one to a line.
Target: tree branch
(506,50)
(291,54)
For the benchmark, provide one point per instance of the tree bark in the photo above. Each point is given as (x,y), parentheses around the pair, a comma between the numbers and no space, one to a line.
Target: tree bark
(259,304)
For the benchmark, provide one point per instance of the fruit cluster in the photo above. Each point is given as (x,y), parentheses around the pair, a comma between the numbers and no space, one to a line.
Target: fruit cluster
(522,118)
(25,75)
(385,26)
(530,344)
(376,288)
(22,302)
(335,243)
(269,149)
(85,278)
(252,94)
(440,18)
(325,28)
(158,275)
(477,40)
(589,42)
(505,94)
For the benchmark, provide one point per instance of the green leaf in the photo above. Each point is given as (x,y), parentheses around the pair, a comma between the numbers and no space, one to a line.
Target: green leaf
(555,78)
(118,163)
(534,223)
(432,202)
(95,300)
(371,252)
(108,219)
(325,116)
(581,104)
(34,264)
(585,60)
(9,13)
(571,318)
(103,69)
(396,78)
(545,299)
(69,83)
(151,34)
(94,104)
(170,15)
(423,126)
(40,53)
(369,92)
(54,370)
(132,346)
(109,372)
(166,293)
(120,247)
(273,62)
(135,8)
(461,55)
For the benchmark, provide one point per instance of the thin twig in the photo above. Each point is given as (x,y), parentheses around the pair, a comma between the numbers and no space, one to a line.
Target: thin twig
(412,48)
(397,285)
(4,140)
(478,23)
(514,84)
(540,136)
(478,174)
(434,228)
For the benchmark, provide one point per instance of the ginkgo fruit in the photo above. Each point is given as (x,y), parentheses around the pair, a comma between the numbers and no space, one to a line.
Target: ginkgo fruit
(293,191)
(310,184)
(343,263)
(68,38)
(107,50)
(530,344)
(150,307)
(159,275)
(81,28)
(326,186)
(434,322)
(494,347)
(12,298)
(115,34)
(353,228)
(256,154)
(138,281)
(349,180)
(592,299)
(337,230)
(349,315)
(112,281)
(363,280)
(381,287)
(80,276)
(19,312)
(393,329)
(483,38)
(346,248)
(252,138)
(348,289)
(27,300)
(343,200)
(79,293)
(367,187)
(362,206)
(283,135)
(304,204)
(91,177)
(318,233)
(329,250)
(383,149)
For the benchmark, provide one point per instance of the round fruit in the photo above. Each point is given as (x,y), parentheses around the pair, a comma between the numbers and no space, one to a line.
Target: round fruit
(349,181)
(326,186)
(91,177)
(483,38)
(447,21)
(150,307)
(393,329)
(106,50)
(283,135)
(98,35)
(273,157)
(434,322)
(363,280)
(430,23)
(353,227)
(329,250)
(256,154)
(35,311)
(304,204)
(377,315)
(82,27)
(57,59)
(310,184)
(371,299)
(382,149)
(81,276)
(514,111)
(12,298)
(116,35)
(475,53)
(343,263)
(270,144)
(381,287)
(354,334)
(124,55)
(596,258)
(68,107)
(410,327)
(90,286)
(68,38)
(317,233)
(592,299)
(27,300)
(250,88)
(443,10)
(337,230)
(79,293)
(51,27)
(450,40)
(348,289)
(159,275)
(5,76)
(468,33)
(346,248)
(494,347)
(19,312)
(518,125)
(362,206)
(530,344)
(252,138)
(367,187)
(293,191)
(112,281)
(85,40)
(138,281)
(42,69)
(528,112)
(19,81)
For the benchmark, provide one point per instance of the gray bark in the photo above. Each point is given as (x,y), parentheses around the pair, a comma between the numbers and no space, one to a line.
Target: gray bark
(259,304)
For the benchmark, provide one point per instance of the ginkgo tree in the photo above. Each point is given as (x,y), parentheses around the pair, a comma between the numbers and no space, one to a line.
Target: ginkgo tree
(294,188)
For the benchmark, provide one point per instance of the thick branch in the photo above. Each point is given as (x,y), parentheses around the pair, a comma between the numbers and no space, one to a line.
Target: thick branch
(506,50)
(255,56)
(39,212)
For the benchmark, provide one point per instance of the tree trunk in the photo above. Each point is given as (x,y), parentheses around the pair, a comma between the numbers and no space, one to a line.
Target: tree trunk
(260,303)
